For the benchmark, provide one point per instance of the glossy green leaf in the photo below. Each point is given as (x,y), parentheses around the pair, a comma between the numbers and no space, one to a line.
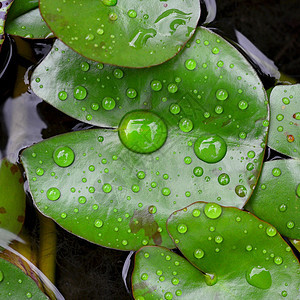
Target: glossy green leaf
(276,198)
(24,19)
(124,33)
(191,133)
(14,284)
(284,133)
(4,7)
(296,244)
(12,197)
(241,256)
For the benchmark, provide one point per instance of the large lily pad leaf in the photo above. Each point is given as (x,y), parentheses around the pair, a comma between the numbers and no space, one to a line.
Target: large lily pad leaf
(124,33)
(240,256)
(284,133)
(276,198)
(4,7)
(14,284)
(12,197)
(24,19)
(206,143)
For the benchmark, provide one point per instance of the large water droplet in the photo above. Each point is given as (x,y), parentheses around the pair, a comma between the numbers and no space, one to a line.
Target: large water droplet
(190,64)
(108,103)
(212,210)
(259,277)
(156,85)
(241,191)
(210,148)
(80,92)
(221,94)
(198,253)
(63,156)
(142,131)
(53,194)
(182,228)
(186,125)
(224,179)
(109,2)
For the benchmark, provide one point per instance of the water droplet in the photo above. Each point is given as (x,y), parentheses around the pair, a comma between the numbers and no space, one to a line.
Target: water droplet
(132,13)
(108,103)
(282,207)
(135,188)
(100,31)
(142,131)
(156,85)
(39,171)
(212,210)
(63,156)
(280,117)
(80,93)
(172,88)
(241,191)
(118,73)
(175,109)
(298,190)
(259,277)
(98,223)
(175,281)
(113,16)
(28,295)
(198,171)
(196,212)
(85,66)
(53,194)
(250,166)
(271,231)
(187,160)
(62,95)
(131,93)
(218,239)
(224,179)
(186,125)
(249,248)
(278,260)
(141,175)
(290,225)
(109,2)
(210,148)
(284,293)
(106,188)
(219,109)
(198,253)
(144,276)
(190,64)
(82,200)
(290,138)
(168,296)
(182,228)
(276,172)
(166,191)
(286,100)
(251,154)
(1,276)
(296,116)
(243,105)
(152,209)
(221,94)
(215,50)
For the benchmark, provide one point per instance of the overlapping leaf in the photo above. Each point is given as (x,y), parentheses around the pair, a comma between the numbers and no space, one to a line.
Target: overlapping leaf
(124,33)
(14,284)
(24,19)
(284,133)
(213,108)
(240,256)
(276,198)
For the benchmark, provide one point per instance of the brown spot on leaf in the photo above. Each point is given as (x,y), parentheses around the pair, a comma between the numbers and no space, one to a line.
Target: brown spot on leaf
(14,169)
(2,210)
(142,219)
(21,219)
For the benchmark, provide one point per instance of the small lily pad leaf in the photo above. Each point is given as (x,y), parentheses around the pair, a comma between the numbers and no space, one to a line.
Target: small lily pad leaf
(284,135)
(277,196)
(4,7)
(244,256)
(124,33)
(12,197)
(14,284)
(24,19)
(162,274)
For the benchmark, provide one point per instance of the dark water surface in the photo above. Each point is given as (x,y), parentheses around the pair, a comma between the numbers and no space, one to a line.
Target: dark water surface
(85,270)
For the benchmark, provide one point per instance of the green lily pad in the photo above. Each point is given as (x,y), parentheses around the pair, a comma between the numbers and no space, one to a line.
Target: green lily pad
(296,244)
(276,198)
(12,197)
(24,19)
(4,7)
(124,33)
(240,256)
(174,143)
(284,135)
(14,284)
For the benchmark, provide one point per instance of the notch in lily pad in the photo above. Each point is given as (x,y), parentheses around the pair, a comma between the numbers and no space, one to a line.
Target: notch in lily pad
(123,33)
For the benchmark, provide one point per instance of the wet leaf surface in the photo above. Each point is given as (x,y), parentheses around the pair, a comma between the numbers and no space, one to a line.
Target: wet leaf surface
(209,141)
(276,198)
(239,256)
(284,133)
(14,284)
(24,19)
(12,197)
(123,33)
